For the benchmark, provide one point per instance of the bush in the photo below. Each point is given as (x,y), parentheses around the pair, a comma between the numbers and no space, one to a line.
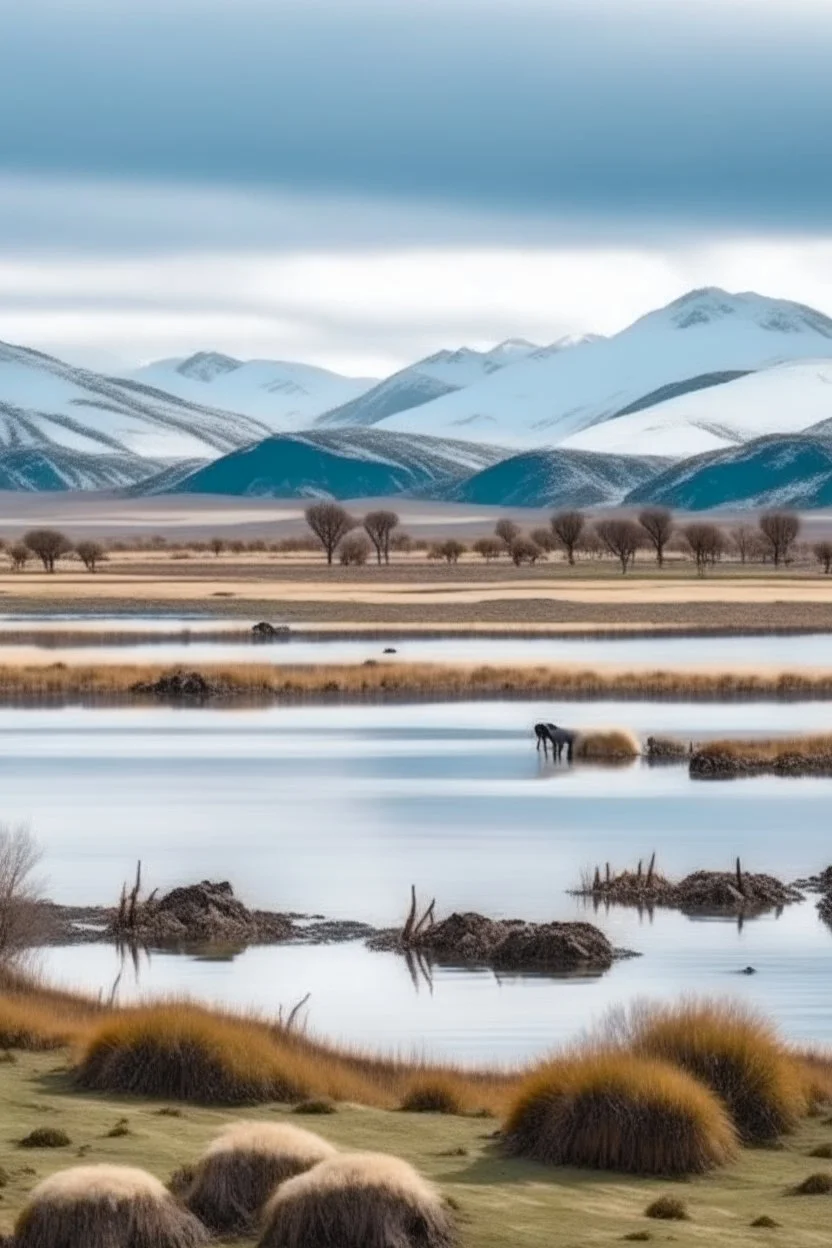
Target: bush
(611,744)
(354,550)
(359,1200)
(241,1169)
(668,1209)
(736,1054)
(765,1223)
(815,1185)
(48,545)
(46,1137)
(432,1095)
(612,1110)
(105,1207)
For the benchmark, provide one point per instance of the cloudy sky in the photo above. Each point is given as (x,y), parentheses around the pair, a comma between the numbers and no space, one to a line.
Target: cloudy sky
(358,182)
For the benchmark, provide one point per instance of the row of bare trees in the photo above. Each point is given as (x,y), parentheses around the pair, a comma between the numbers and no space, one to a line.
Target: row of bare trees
(50,545)
(334,528)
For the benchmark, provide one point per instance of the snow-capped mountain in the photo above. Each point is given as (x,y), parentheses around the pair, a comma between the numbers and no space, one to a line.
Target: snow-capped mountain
(786,398)
(45,403)
(278,393)
(692,343)
(777,471)
(556,478)
(347,463)
(35,468)
(441,374)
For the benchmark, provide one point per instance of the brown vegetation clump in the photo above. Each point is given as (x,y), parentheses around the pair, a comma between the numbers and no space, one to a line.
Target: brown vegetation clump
(815,1185)
(642,887)
(781,756)
(431,1094)
(738,890)
(737,1054)
(613,1110)
(105,1207)
(197,912)
(241,1169)
(46,1137)
(360,1200)
(666,749)
(511,943)
(611,745)
(667,1209)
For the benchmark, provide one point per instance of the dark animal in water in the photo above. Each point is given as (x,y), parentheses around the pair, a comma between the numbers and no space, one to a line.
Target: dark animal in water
(558,738)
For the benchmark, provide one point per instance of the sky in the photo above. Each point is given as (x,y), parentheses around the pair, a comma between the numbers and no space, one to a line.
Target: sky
(356,183)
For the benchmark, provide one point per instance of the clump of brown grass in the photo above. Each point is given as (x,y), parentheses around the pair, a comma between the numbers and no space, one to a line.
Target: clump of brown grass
(241,1169)
(45,1137)
(823,1152)
(28,1024)
(432,1094)
(734,1052)
(105,1207)
(815,1185)
(667,1209)
(765,1223)
(607,745)
(360,1200)
(612,1110)
(316,1107)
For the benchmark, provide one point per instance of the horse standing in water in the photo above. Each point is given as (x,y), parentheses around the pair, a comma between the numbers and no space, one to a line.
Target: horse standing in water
(558,738)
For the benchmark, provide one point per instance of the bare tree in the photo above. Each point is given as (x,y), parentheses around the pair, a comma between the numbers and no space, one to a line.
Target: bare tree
(91,554)
(354,549)
(507,530)
(451,550)
(705,542)
(622,538)
(20,912)
(402,543)
(524,550)
(823,553)
(379,526)
(657,523)
(780,529)
(488,548)
(567,527)
(330,523)
(217,544)
(20,556)
(544,538)
(745,541)
(48,545)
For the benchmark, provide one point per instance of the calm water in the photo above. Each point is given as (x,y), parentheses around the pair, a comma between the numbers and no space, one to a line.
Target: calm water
(339,810)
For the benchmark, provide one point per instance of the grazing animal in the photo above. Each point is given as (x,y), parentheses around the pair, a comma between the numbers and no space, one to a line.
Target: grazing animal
(558,738)
(543,732)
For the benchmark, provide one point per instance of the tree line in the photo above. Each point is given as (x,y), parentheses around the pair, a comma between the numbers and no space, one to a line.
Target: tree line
(573,533)
(50,545)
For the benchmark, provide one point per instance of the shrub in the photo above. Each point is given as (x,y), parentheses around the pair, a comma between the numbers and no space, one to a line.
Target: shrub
(48,545)
(613,744)
(432,1095)
(361,1200)
(354,550)
(612,1110)
(187,1054)
(765,1223)
(668,1209)
(105,1207)
(735,1053)
(823,1152)
(46,1137)
(815,1185)
(315,1107)
(241,1169)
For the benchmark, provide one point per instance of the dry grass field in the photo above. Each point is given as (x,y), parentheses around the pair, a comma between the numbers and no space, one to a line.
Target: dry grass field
(502,1203)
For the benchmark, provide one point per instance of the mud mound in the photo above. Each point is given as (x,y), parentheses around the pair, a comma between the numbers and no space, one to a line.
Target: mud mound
(180,686)
(265,629)
(722,890)
(201,913)
(825,908)
(515,945)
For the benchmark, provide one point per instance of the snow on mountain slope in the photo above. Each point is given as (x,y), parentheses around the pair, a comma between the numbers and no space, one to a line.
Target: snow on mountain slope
(787,398)
(348,463)
(281,394)
(544,398)
(428,379)
(52,468)
(783,470)
(556,478)
(46,403)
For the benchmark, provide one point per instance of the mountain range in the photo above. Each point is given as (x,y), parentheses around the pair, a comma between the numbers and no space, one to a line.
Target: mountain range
(717,399)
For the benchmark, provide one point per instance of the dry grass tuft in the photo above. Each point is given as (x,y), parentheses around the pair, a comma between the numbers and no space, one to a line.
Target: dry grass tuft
(815,1185)
(765,1223)
(611,1110)
(667,1209)
(430,1094)
(737,1054)
(360,1200)
(608,745)
(45,1137)
(323,1106)
(105,1207)
(26,1024)
(241,1169)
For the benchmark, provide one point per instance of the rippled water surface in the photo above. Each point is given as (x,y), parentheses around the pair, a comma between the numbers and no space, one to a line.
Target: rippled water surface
(338,810)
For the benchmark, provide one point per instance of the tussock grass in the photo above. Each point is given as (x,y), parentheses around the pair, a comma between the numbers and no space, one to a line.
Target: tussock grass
(114,683)
(610,745)
(770,749)
(360,1200)
(105,1207)
(45,1137)
(667,1209)
(611,1110)
(34,1026)
(736,1053)
(431,1094)
(242,1168)
(814,1185)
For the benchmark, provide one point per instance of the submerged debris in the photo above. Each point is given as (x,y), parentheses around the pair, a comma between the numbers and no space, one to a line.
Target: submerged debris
(718,892)
(667,749)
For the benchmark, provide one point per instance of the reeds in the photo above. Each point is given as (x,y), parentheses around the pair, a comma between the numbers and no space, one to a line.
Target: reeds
(115,683)
(612,1110)
(788,754)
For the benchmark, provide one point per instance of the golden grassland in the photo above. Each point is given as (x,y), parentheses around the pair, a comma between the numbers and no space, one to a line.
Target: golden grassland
(380,680)
(769,751)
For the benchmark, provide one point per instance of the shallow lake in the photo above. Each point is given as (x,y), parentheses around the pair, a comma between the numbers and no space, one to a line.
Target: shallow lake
(337,810)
